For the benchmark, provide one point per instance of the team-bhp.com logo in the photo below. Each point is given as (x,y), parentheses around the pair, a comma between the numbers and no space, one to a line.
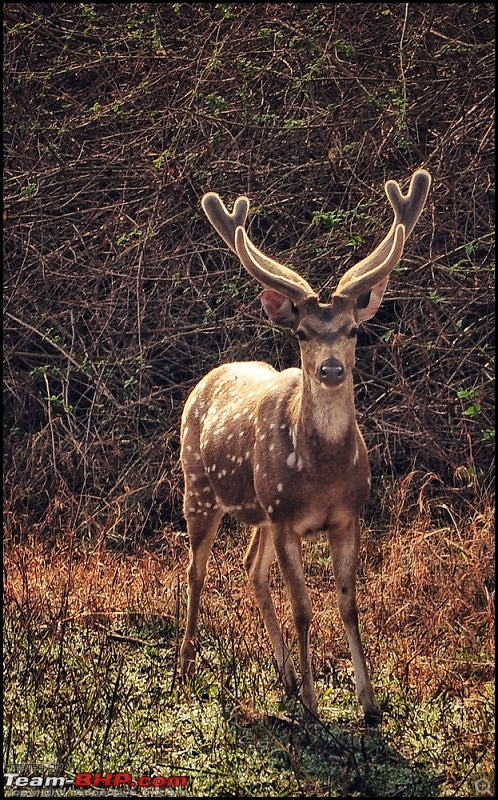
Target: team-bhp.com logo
(16,780)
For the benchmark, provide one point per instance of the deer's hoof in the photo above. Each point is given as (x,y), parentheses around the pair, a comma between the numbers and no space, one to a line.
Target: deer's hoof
(187,661)
(373,718)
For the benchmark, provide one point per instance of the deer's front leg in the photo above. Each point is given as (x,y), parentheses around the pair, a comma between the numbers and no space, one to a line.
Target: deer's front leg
(343,544)
(288,550)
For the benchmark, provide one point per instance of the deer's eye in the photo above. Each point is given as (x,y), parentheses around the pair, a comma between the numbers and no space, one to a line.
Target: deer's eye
(354,332)
(301,335)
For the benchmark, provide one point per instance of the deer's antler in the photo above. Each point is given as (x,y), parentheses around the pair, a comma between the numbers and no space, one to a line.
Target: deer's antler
(381,261)
(223,221)
(271,273)
(371,271)
(268,272)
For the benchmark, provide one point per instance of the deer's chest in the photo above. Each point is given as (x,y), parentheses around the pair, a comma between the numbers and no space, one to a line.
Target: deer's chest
(309,489)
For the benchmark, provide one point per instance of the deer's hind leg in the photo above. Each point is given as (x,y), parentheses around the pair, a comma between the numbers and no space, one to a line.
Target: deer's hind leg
(203,517)
(258,559)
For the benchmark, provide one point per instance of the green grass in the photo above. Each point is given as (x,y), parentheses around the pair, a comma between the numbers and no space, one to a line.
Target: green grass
(93,704)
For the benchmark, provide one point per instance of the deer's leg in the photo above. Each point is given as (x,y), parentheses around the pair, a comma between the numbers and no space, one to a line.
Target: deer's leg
(258,559)
(289,556)
(202,525)
(344,550)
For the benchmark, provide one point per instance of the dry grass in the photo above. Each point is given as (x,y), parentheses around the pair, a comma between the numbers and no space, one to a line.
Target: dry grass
(426,593)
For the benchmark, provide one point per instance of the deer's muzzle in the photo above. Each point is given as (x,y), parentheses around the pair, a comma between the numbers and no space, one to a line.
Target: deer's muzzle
(331,372)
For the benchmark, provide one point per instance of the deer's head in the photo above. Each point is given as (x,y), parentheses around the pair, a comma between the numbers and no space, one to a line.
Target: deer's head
(326,331)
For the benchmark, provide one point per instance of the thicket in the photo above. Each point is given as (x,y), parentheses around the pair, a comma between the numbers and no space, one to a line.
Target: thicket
(118,295)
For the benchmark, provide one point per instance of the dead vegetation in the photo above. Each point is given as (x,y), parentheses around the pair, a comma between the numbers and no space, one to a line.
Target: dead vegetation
(118,296)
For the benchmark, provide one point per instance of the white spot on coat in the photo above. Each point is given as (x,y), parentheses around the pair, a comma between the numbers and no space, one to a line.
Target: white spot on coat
(293,435)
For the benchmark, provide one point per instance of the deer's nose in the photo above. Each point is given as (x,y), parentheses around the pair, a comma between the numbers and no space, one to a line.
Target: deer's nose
(331,372)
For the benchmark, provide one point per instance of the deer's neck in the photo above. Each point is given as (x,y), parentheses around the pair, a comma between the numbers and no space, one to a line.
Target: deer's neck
(324,416)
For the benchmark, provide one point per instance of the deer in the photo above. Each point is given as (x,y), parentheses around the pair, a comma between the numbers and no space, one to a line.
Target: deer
(281,451)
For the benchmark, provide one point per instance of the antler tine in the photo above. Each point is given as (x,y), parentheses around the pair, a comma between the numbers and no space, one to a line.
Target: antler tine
(268,272)
(407,209)
(224,222)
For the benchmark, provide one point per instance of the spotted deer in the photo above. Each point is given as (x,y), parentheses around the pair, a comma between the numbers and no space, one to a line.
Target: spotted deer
(281,451)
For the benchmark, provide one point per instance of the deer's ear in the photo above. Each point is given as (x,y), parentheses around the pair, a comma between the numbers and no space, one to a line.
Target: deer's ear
(368,302)
(279,309)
